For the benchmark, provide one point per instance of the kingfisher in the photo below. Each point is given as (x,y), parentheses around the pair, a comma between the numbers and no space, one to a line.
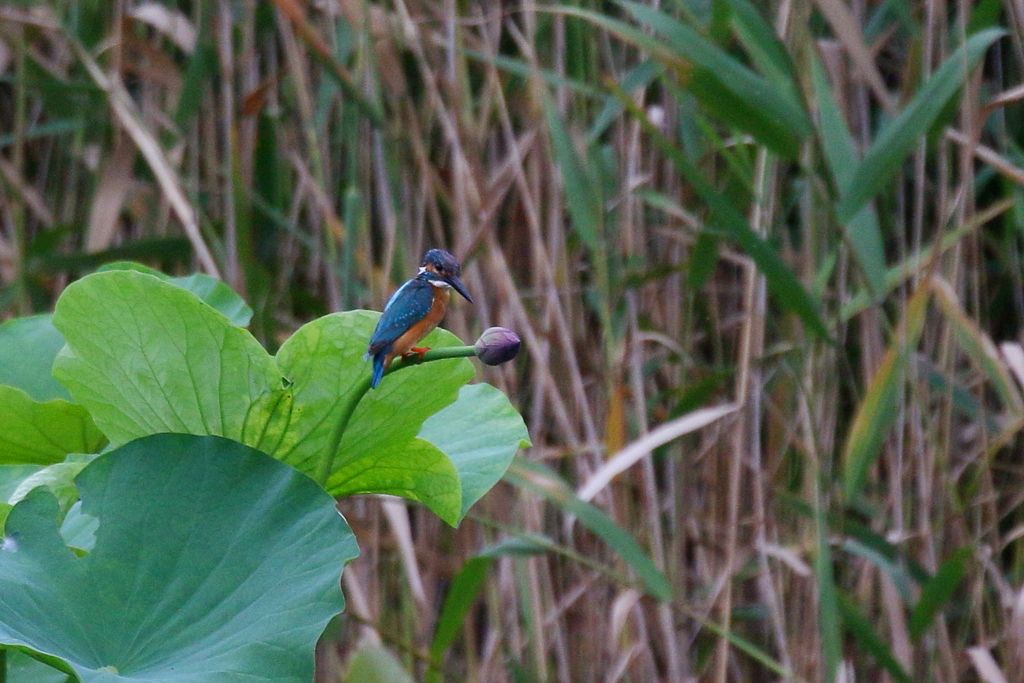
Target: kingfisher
(414,310)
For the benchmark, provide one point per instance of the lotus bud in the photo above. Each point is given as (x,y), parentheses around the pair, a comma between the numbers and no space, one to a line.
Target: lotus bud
(497,345)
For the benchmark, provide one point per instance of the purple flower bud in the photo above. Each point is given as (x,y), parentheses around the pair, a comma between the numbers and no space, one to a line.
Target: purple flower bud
(497,345)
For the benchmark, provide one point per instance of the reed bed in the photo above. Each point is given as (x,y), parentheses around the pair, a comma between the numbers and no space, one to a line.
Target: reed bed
(765,261)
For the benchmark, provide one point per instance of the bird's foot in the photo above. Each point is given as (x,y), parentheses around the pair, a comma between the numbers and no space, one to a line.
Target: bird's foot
(417,351)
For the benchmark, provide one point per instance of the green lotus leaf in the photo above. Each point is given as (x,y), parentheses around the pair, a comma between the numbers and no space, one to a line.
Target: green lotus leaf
(11,477)
(146,357)
(43,433)
(59,478)
(23,669)
(27,348)
(212,563)
(208,288)
(480,433)
(79,529)
(417,470)
(323,360)
(38,422)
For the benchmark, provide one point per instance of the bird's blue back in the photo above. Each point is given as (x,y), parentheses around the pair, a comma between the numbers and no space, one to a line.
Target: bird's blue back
(405,308)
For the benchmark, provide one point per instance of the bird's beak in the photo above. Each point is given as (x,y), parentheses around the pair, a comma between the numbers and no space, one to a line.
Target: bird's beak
(457,285)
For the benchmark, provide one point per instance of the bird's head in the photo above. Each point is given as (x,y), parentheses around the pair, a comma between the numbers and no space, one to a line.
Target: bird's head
(442,270)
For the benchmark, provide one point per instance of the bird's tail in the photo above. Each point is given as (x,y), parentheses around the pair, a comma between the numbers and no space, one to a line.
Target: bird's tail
(378,370)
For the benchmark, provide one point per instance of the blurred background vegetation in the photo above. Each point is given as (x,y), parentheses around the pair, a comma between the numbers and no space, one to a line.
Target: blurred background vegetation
(766,261)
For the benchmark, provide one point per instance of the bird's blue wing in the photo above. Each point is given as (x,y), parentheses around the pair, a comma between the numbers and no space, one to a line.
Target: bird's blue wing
(398,292)
(407,306)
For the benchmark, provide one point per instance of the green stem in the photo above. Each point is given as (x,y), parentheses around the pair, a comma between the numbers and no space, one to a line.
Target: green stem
(433,354)
(323,472)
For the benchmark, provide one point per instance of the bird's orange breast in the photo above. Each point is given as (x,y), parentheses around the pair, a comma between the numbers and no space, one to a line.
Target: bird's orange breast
(421,329)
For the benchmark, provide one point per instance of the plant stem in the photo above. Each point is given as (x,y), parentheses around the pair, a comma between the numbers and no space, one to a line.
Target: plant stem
(433,354)
(327,463)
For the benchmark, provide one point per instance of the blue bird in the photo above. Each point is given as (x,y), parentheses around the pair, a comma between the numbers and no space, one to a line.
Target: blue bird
(414,310)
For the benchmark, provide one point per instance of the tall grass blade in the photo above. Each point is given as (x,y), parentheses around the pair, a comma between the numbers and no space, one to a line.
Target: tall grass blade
(977,345)
(862,231)
(541,480)
(376,664)
(878,409)
(202,66)
(766,51)
(640,76)
(727,221)
(902,272)
(320,48)
(728,89)
(521,68)
(828,600)
(895,141)
(461,596)
(937,591)
(860,628)
(582,189)
(869,545)
(44,130)
(890,563)
(703,259)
